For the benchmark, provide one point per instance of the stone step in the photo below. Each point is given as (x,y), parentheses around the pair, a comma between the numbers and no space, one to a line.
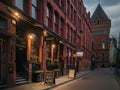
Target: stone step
(3,85)
(21,80)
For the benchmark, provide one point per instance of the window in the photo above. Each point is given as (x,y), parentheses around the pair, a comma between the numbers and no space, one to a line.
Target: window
(61,27)
(34,8)
(74,17)
(103,57)
(56,22)
(48,50)
(98,32)
(70,35)
(48,16)
(71,40)
(68,8)
(20,4)
(62,4)
(74,37)
(67,32)
(98,21)
(71,13)
(3,24)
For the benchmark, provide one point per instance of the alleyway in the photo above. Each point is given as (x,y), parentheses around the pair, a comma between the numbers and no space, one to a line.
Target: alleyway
(102,79)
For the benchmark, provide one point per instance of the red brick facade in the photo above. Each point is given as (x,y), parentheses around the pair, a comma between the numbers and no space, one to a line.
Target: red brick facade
(60,29)
(100,29)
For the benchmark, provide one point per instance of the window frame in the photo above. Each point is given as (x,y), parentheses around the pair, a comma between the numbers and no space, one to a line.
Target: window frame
(35,7)
(48,16)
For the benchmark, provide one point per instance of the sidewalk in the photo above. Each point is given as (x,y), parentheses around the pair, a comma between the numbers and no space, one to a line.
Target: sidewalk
(40,86)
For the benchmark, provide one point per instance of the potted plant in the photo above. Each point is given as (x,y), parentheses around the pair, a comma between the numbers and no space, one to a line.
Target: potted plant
(34,59)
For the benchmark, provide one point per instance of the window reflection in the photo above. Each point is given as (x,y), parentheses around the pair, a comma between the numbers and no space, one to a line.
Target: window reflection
(19,4)
(34,8)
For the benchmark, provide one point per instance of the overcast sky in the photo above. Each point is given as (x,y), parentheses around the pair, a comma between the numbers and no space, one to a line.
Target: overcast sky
(111,8)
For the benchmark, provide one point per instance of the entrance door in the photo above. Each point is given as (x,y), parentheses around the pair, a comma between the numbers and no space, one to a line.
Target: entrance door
(21,56)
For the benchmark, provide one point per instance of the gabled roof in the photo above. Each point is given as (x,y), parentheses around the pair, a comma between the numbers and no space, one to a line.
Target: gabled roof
(99,14)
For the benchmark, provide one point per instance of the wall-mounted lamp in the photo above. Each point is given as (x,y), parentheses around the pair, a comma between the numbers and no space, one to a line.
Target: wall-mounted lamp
(53,45)
(31,36)
(13,22)
(45,33)
(16,14)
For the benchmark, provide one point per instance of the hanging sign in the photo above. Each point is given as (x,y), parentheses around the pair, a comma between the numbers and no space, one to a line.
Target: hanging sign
(79,54)
(49,38)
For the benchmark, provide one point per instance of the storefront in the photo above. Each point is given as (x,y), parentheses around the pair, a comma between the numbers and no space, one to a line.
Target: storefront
(29,47)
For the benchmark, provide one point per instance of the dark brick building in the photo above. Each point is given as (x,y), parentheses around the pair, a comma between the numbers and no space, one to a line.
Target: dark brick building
(36,33)
(100,30)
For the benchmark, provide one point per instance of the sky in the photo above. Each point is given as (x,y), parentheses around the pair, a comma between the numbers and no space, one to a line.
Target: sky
(111,8)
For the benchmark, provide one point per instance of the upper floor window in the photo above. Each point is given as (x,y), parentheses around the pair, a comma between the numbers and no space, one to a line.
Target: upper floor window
(3,24)
(62,4)
(98,21)
(67,32)
(98,32)
(70,34)
(71,13)
(56,22)
(34,8)
(62,27)
(20,4)
(74,17)
(48,16)
(68,8)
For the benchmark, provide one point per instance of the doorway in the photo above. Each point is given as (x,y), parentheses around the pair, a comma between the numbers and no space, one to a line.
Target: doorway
(21,52)
(3,56)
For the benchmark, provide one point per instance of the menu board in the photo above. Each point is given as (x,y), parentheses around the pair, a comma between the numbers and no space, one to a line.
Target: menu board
(50,78)
(71,73)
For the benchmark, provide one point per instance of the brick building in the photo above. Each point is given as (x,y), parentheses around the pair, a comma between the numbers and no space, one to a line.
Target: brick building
(100,30)
(48,31)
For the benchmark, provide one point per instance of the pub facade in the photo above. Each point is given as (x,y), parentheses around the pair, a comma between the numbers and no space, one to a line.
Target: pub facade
(42,35)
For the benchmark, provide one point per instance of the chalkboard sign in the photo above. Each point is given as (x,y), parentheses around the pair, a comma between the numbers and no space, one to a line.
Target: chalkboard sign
(50,78)
(71,73)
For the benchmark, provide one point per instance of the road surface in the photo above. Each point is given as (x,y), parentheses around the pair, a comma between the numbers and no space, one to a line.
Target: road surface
(102,79)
